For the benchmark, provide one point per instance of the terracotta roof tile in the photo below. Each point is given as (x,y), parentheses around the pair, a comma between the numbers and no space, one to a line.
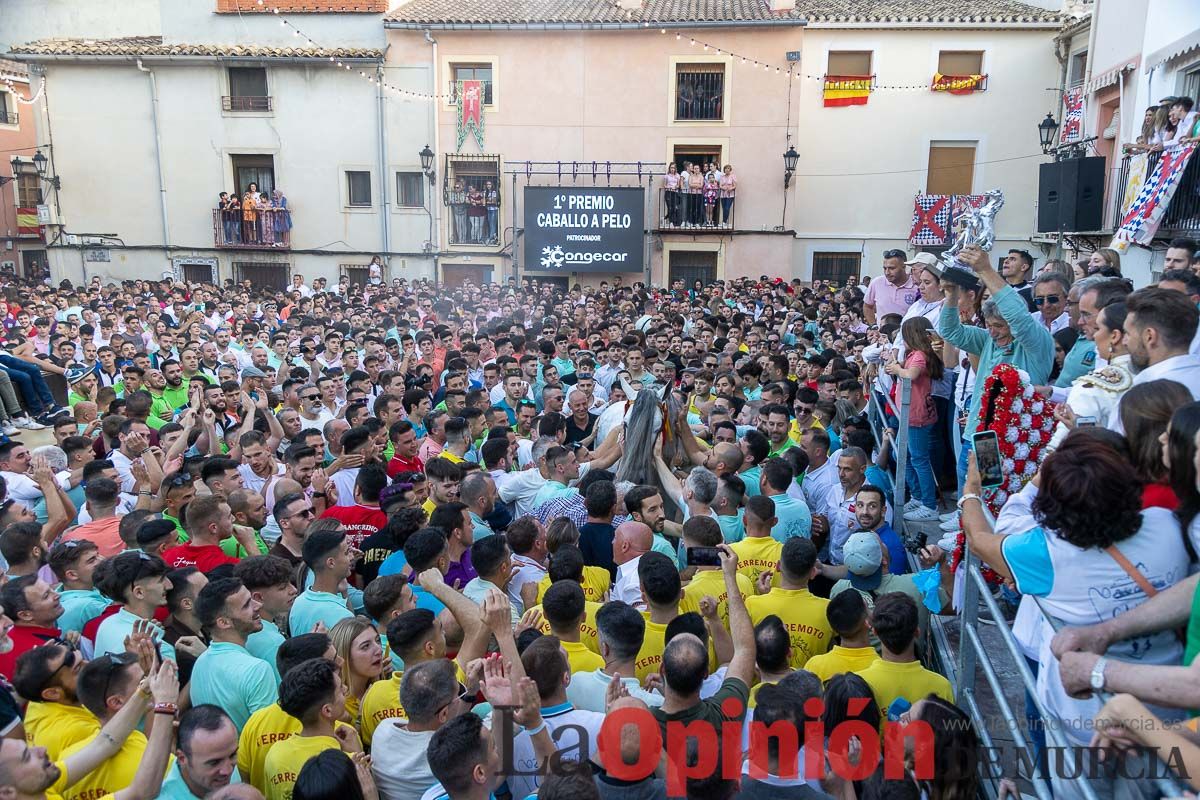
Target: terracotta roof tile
(154,46)
(701,11)
(302,6)
(935,11)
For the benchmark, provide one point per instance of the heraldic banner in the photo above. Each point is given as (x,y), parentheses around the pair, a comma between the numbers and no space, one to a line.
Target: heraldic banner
(470,112)
(930,221)
(1142,218)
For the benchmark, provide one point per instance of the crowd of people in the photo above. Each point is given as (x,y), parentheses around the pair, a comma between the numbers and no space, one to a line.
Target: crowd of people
(404,542)
(699,196)
(254,218)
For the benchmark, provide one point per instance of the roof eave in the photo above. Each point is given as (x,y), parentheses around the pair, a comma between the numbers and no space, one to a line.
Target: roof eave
(37,58)
(927,25)
(782,22)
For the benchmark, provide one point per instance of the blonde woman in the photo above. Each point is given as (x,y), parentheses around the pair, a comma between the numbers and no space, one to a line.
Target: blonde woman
(1103,258)
(357,644)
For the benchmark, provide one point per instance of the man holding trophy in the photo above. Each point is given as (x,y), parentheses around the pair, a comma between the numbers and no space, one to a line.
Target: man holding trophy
(1012,336)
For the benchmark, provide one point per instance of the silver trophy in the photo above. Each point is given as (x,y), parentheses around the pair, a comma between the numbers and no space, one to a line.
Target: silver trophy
(976,226)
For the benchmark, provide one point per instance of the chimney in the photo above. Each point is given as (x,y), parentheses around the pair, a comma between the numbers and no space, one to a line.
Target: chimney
(630,5)
(782,6)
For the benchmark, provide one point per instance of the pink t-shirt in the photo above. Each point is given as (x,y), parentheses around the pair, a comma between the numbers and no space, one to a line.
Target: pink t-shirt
(888,298)
(920,410)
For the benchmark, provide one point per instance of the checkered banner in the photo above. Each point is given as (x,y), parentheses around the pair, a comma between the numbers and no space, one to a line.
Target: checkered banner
(930,221)
(1143,216)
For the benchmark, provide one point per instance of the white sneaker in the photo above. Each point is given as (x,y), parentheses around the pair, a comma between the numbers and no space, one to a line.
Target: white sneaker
(950,525)
(912,505)
(949,515)
(28,424)
(921,513)
(8,428)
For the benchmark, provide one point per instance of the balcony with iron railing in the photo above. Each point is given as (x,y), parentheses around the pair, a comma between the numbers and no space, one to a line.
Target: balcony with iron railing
(694,213)
(245,103)
(1183,214)
(268,229)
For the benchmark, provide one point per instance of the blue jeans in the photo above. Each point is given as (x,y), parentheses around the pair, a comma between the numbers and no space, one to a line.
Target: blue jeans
(726,208)
(493,219)
(919,470)
(29,380)
(963,456)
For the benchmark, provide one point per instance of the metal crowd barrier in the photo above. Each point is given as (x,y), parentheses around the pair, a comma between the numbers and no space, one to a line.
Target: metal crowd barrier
(961,667)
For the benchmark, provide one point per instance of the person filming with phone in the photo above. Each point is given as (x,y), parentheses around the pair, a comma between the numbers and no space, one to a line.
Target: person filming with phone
(1013,336)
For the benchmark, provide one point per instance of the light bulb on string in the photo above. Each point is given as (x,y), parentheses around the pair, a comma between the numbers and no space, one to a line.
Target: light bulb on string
(677,36)
(663,30)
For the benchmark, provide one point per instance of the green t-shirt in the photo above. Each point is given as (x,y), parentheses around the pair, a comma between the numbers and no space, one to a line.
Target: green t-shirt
(1192,647)
(233,548)
(176,398)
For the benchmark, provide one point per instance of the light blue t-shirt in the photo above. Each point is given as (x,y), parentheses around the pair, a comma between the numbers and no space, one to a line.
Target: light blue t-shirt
(80,606)
(264,644)
(549,491)
(175,788)
(732,527)
(311,607)
(227,676)
(751,477)
(479,528)
(793,519)
(110,636)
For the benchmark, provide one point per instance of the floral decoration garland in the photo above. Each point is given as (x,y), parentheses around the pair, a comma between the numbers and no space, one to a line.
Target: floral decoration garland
(1024,423)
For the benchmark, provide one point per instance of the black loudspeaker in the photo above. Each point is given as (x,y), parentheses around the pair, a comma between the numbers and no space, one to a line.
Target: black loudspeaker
(1071,195)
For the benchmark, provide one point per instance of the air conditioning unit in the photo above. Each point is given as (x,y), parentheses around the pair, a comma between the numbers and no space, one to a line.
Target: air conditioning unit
(71,239)
(93,241)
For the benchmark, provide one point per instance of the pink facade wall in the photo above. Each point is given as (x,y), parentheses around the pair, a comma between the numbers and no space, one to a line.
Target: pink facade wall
(590,95)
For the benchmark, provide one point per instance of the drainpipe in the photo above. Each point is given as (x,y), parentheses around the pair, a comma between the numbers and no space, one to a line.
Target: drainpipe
(162,186)
(435,235)
(384,175)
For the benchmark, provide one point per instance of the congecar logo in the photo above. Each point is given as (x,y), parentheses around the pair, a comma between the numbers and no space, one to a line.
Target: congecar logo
(555,258)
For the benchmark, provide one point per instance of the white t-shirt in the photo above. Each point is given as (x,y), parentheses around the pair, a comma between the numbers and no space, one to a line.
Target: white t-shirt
(571,721)
(1087,586)
(253,482)
(404,773)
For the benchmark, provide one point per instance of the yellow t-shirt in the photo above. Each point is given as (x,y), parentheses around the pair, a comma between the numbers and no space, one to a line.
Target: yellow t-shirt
(711,583)
(581,658)
(840,660)
(56,727)
(649,658)
(756,555)
(589,635)
(114,774)
(802,613)
(288,757)
(381,702)
(754,692)
(596,583)
(264,728)
(890,680)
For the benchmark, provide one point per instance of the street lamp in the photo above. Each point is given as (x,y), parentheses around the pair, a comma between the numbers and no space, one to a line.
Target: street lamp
(789,165)
(1046,130)
(427,163)
(39,162)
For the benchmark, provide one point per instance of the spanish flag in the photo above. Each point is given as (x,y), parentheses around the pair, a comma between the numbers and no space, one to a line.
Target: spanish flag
(27,222)
(847,90)
(957,84)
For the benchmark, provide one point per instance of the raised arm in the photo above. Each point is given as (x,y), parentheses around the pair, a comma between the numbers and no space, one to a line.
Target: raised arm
(57,518)
(147,781)
(973,340)
(741,630)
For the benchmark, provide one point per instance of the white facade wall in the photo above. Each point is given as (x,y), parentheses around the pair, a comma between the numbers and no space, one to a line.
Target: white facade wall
(861,166)
(324,121)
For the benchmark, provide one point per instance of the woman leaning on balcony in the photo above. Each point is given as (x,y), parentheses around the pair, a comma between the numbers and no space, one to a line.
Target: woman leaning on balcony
(671,195)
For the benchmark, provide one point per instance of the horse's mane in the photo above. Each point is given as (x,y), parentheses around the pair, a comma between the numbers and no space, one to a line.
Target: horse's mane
(646,421)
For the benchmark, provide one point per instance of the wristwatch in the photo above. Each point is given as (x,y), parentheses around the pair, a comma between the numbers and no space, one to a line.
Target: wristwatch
(1097,679)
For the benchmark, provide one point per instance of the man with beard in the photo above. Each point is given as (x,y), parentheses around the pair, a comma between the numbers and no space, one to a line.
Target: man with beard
(54,719)
(1159,326)
(870,507)
(209,361)
(160,407)
(258,462)
(205,755)
(363,517)
(175,386)
(644,504)
(293,513)
(226,675)
(35,608)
